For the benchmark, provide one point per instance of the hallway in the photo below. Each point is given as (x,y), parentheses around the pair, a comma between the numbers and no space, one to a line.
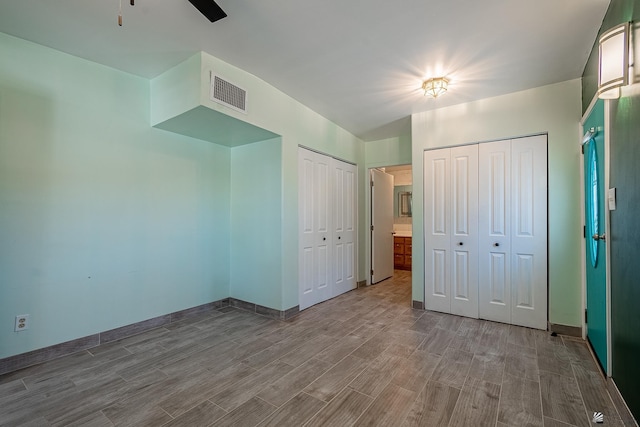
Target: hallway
(363,358)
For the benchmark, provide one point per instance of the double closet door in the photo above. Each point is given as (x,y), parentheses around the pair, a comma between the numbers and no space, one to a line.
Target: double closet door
(327,207)
(485,208)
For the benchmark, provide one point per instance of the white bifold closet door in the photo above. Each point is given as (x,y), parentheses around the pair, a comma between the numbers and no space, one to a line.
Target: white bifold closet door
(485,224)
(451,230)
(513,231)
(327,207)
(344,226)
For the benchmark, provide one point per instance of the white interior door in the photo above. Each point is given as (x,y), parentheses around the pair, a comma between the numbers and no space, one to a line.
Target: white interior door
(513,231)
(344,226)
(437,226)
(381,225)
(485,225)
(464,230)
(529,231)
(494,227)
(315,273)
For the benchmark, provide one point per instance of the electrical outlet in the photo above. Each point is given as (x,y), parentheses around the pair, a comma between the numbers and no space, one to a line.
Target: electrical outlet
(22,322)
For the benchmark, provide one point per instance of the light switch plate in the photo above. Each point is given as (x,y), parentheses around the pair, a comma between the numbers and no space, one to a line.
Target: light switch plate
(611,199)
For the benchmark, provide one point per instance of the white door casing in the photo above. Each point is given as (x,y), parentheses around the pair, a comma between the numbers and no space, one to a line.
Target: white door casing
(381,225)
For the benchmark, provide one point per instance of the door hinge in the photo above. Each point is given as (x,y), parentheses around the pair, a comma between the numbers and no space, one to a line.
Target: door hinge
(372,272)
(582,148)
(372,228)
(372,183)
(585,316)
(584,231)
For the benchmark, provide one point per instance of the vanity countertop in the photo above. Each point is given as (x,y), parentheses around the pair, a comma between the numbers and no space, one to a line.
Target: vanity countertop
(403,233)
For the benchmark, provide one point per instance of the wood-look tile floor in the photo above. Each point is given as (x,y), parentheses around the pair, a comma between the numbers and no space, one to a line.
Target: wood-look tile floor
(364,358)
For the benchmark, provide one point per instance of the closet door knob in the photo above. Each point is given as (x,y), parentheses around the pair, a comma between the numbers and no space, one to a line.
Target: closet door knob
(339,237)
(496,244)
(324,238)
(460,244)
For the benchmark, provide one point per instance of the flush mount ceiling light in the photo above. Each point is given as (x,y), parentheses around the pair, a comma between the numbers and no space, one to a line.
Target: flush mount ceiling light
(435,87)
(613,61)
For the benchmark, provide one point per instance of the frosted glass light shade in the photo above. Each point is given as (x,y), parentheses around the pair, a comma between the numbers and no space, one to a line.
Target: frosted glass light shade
(435,87)
(613,64)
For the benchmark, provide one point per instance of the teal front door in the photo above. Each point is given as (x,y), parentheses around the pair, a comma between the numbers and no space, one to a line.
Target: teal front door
(595,236)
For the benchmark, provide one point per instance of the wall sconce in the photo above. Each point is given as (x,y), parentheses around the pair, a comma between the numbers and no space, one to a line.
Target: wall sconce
(613,61)
(435,87)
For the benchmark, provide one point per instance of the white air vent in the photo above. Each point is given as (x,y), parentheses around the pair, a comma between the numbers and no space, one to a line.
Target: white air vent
(228,94)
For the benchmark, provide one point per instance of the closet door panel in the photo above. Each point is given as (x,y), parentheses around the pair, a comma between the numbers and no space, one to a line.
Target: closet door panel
(344,225)
(307,238)
(321,190)
(323,226)
(438,279)
(524,291)
(314,259)
(486,231)
(338,226)
(349,234)
(464,236)
(437,224)
(498,283)
(529,231)
(494,177)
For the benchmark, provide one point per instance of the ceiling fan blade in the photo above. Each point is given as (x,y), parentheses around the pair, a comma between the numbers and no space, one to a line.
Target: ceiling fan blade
(209,8)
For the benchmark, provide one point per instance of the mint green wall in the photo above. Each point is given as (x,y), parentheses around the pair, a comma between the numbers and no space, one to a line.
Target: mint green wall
(176,90)
(111,221)
(275,112)
(553,109)
(256,212)
(104,221)
(388,152)
(384,152)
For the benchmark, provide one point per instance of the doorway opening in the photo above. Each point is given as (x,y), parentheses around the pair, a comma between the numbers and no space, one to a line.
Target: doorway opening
(391,222)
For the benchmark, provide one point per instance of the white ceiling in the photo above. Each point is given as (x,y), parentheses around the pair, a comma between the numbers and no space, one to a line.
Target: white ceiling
(358,63)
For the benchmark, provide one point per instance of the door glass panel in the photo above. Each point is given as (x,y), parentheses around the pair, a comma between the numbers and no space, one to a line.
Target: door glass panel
(593,227)
(595,223)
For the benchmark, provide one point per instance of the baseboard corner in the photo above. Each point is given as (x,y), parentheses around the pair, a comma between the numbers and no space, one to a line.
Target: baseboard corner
(572,331)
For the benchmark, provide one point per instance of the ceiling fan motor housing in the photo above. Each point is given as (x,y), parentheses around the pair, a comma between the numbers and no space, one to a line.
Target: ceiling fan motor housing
(210,9)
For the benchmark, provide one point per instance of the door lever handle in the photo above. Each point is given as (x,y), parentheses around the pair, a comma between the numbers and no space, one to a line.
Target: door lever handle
(599,237)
